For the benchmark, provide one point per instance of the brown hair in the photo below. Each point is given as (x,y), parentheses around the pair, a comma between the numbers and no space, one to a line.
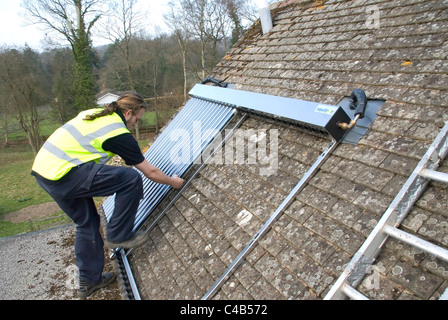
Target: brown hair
(127,101)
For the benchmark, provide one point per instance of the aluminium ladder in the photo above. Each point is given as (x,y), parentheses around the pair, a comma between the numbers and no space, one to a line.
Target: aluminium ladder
(393,216)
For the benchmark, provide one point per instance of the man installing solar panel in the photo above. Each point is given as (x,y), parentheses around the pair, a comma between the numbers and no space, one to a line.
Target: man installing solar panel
(70,166)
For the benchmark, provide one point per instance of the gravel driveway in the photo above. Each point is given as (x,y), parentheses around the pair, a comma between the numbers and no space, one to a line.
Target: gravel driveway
(41,266)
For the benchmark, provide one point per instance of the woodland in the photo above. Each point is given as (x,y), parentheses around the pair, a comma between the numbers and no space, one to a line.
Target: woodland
(55,84)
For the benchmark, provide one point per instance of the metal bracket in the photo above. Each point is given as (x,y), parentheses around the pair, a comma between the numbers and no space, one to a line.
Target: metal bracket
(267,226)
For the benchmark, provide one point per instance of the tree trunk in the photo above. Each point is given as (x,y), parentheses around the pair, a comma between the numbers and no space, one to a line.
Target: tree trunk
(5,119)
(156,107)
(184,66)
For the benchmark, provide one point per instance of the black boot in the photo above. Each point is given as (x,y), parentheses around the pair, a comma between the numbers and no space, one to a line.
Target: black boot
(136,240)
(86,288)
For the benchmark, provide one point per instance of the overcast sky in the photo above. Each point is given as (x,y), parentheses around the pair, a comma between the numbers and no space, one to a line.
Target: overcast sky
(14,30)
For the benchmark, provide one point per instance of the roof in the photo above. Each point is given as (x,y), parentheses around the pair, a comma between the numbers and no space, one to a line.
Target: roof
(107,98)
(318,51)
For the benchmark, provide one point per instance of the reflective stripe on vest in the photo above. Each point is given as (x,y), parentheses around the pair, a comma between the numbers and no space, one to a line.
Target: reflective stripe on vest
(74,144)
(86,140)
(61,154)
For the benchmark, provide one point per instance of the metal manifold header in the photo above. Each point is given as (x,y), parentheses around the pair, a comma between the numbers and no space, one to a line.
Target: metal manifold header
(319,117)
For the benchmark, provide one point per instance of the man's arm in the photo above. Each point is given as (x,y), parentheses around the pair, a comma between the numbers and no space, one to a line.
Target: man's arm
(127,147)
(156,175)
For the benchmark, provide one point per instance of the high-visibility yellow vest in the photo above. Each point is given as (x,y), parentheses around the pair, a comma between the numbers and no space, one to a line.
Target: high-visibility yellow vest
(77,142)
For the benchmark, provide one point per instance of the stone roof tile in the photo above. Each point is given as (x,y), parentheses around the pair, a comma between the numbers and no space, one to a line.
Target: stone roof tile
(318,51)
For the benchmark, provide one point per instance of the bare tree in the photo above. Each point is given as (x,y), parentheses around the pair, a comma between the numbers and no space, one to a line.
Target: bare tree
(73,20)
(179,27)
(22,74)
(5,106)
(5,111)
(211,22)
(65,17)
(234,10)
(61,66)
(197,14)
(154,50)
(120,29)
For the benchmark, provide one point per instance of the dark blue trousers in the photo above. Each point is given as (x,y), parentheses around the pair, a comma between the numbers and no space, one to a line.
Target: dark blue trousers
(74,194)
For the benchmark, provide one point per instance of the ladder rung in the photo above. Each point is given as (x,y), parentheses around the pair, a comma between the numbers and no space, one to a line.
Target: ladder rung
(444,296)
(352,293)
(394,215)
(434,175)
(416,242)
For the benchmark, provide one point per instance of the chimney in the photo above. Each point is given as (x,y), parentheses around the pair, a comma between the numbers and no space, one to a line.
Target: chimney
(265,15)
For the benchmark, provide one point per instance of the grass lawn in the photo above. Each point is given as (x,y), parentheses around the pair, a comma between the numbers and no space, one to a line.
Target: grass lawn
(19,189)
(48,126)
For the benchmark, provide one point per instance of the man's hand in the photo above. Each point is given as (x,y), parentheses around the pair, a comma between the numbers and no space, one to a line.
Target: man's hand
(156,175)
(176,182)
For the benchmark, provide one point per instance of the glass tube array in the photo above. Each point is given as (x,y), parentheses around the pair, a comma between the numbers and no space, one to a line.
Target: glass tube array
(177,148)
